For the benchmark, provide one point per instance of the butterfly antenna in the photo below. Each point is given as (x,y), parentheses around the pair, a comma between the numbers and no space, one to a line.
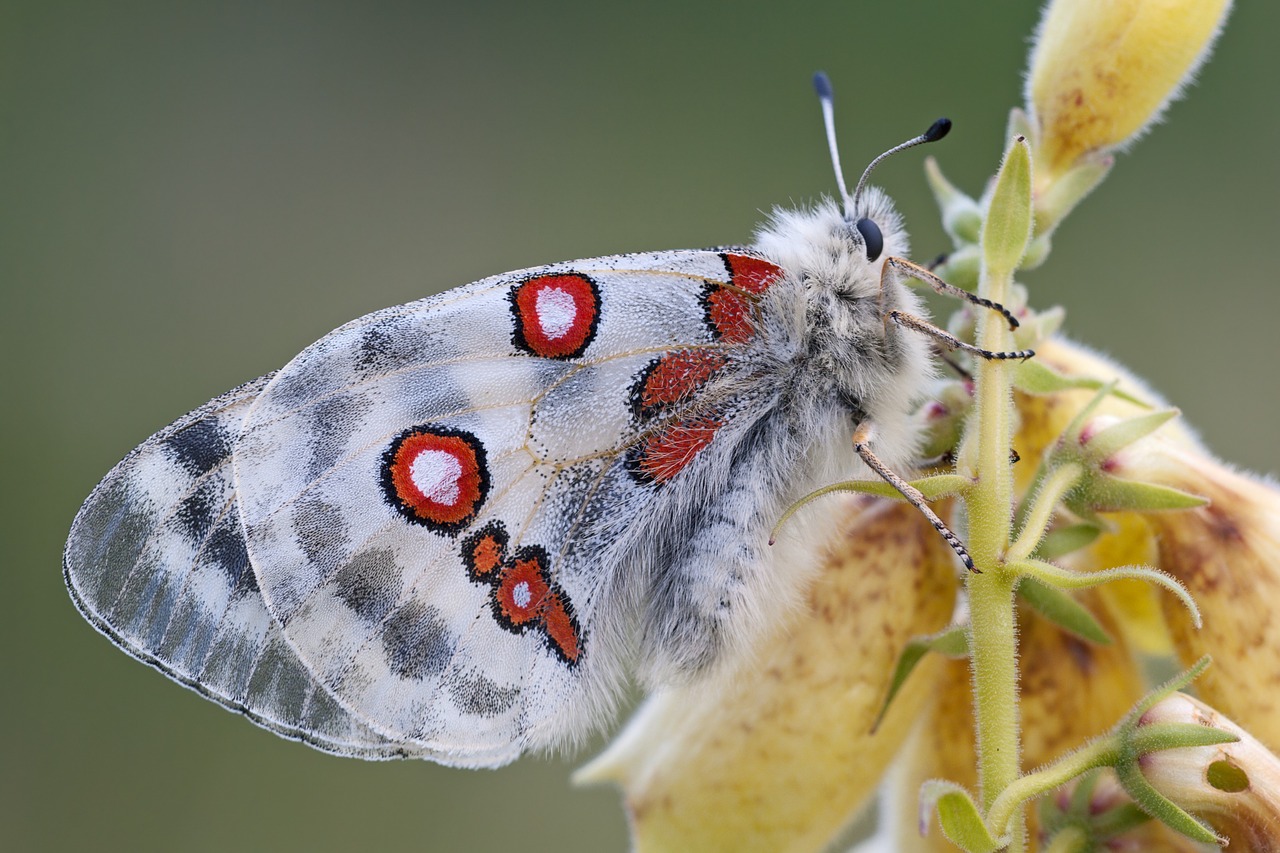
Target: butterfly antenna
(822,85)
(936,131)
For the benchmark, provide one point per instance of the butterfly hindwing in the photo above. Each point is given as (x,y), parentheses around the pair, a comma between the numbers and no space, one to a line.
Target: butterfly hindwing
(156,560)
(431,493)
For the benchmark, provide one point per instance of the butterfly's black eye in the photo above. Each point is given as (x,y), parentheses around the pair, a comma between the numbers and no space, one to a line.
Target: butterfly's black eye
(871,236)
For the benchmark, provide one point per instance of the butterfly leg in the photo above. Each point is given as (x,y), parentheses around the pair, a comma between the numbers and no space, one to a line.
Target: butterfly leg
(910,270)
(862,437)
(950,341)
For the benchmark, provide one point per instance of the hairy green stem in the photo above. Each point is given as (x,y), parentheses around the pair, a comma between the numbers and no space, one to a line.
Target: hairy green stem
(1100,753)
(989,439)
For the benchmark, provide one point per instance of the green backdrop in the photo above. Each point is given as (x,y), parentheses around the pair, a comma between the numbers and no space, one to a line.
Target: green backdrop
(188,196)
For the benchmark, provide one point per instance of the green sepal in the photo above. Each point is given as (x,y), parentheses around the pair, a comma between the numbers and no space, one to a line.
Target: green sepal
(1133,744)
(1066,540)
(1162,808)
(1155,737)
(961,216)
(1164,690)
(1104,493)
(1063,610)
(959,816)
(1121,434)
(952,642)
(1036,377)
(1007,228)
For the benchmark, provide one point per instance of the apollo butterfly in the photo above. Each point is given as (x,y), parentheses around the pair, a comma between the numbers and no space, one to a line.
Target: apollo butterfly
(450,529)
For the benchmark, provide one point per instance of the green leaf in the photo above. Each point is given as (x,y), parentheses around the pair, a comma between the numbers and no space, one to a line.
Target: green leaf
(1007,229)
(1063,610)
(961,822)
(1066,540)
(953,642)
(1055,575)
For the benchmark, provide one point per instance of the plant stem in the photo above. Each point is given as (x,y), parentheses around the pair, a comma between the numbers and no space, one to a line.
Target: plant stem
(989,438)
(1099,753)
(993,642)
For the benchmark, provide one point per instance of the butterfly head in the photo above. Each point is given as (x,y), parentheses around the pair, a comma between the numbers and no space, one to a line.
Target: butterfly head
(864,209)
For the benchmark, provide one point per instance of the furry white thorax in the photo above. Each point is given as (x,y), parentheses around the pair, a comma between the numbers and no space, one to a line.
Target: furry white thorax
(841,334)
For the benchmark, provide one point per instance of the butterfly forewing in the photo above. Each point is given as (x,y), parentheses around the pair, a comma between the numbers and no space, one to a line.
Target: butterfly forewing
(413,487)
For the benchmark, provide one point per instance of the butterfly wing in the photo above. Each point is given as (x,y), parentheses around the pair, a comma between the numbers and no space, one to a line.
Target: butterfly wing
(431,494)
(156,560)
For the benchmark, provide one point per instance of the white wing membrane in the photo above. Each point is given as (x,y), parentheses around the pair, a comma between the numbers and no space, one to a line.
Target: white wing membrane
(156,561)
(430,663)
(385,549)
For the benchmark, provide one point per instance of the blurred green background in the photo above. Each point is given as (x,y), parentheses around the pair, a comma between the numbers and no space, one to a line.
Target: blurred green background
(190,194)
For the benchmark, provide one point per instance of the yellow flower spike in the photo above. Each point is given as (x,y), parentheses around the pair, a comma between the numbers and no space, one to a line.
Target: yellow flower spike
(1103,70)
(1071,691)
(1234,786)
(778,755)
(1228,556)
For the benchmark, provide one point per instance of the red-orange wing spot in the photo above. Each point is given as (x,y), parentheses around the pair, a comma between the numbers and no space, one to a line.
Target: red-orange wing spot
(673,379)
(562,628)
(485,551)
(669,451)
(728,310)
(522,592)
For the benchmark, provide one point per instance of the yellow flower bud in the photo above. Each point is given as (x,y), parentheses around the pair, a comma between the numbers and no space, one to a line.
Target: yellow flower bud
(1103,70)
(1234,786)
(778,754)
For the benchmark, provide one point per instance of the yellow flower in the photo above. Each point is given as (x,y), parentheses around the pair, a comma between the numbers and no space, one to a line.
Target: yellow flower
(779,754)
(1103,70)
(1227,554)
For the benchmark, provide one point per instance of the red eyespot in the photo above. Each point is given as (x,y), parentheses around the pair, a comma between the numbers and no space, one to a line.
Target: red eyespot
(555,315)
(436,477)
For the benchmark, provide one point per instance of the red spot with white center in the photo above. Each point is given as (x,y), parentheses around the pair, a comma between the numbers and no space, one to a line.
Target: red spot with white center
(522,590)
(523,595)
(555,315)
(669,451)
(728,306)
(436,477)
(673,379)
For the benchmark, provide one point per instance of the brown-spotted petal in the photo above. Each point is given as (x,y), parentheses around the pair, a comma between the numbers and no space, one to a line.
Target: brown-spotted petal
(778,754)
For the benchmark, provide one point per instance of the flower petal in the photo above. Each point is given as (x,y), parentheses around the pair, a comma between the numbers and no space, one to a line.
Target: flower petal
(778,754)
